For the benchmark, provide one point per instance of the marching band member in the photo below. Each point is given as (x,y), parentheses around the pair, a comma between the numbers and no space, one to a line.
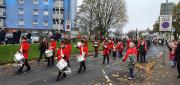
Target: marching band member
(142,51)
(120,48)
(106,50)
(69,49)
(52,46)
(96,47)
(128,43)
(83,49)
(115,49)
(131,55)
(62,54)
(110,46)
(24,48)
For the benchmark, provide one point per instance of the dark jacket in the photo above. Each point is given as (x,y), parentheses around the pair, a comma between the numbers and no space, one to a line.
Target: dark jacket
(43,46)
(177,55)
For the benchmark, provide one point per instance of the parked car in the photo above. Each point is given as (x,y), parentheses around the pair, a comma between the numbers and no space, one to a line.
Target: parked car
(34,38)
(9,38)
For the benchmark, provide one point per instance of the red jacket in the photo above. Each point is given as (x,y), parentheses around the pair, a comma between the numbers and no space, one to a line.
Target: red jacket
(69,49)
(128,43)
(64,52)
(106,50)
(96,48)
(25,48)
(120,46)
(129,52)
(52,45)
(84,49)
(171,55)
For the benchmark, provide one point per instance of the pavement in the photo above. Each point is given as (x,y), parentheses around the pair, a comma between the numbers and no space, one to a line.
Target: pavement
(96,73)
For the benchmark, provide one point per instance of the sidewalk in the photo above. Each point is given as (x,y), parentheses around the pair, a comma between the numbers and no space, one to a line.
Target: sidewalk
(163,75)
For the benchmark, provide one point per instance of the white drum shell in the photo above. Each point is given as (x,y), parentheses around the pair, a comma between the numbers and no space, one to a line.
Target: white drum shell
(80,58)
(67,71)
(62,64)
(49,53)
(18,57)
(79,44)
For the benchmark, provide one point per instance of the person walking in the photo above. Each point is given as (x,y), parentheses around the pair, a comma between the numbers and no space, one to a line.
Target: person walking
(29,36)
(42,48)
(24,48)
(177,58)
(96,47)
(62,54)
(52,47)
(130,58)
(142,51)
(106,52)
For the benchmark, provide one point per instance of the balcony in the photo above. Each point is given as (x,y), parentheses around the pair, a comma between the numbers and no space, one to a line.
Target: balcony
(57,4)
(2,3)
(2,15)
(57,26)
(56,16)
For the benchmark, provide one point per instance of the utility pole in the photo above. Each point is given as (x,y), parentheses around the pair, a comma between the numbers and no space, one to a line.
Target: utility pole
(164,36)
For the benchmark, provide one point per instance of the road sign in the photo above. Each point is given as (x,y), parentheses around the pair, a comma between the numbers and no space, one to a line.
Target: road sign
(68,25)
(165,23)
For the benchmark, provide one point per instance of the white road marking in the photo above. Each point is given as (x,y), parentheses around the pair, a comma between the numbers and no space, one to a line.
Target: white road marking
(107,78)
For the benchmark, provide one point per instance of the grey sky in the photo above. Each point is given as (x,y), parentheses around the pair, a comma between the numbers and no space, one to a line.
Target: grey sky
(142,13)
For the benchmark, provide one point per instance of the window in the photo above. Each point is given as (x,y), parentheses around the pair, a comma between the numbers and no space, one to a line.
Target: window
(35,12)
(21,22)
(21,1)
(35,1)
(21,11)
(46,12)
(45,22)
(35,22)
(46,2)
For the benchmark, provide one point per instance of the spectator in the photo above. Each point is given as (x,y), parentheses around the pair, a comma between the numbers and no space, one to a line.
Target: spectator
(43,47)
(18,36)
(2,34)
(177,58)
(29,37)
(15,37)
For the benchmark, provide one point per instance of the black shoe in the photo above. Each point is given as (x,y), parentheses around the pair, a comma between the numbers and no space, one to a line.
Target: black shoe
(38,61)
(29,69)
(19,71)
(79,71)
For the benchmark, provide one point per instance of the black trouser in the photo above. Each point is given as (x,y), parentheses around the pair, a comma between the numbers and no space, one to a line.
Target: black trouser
(142,57)
(51,60)
(41,54)
(106,56)
(114,55)
(61,74)
(178,67)
(25,64)
(82,65)
(120,54)
(96,54)
(68,63)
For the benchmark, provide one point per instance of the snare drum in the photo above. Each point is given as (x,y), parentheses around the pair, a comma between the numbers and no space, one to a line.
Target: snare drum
(67,70)
(62,64)
(80,58)
(49,53)
(19,58)
(79,44)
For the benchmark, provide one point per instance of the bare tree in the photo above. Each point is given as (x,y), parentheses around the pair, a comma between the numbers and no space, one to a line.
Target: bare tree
(103,14)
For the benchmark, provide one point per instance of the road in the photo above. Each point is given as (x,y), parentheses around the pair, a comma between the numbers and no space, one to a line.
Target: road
(42,75)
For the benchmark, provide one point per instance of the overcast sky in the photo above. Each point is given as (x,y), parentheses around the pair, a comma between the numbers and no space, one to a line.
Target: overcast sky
(142,13)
